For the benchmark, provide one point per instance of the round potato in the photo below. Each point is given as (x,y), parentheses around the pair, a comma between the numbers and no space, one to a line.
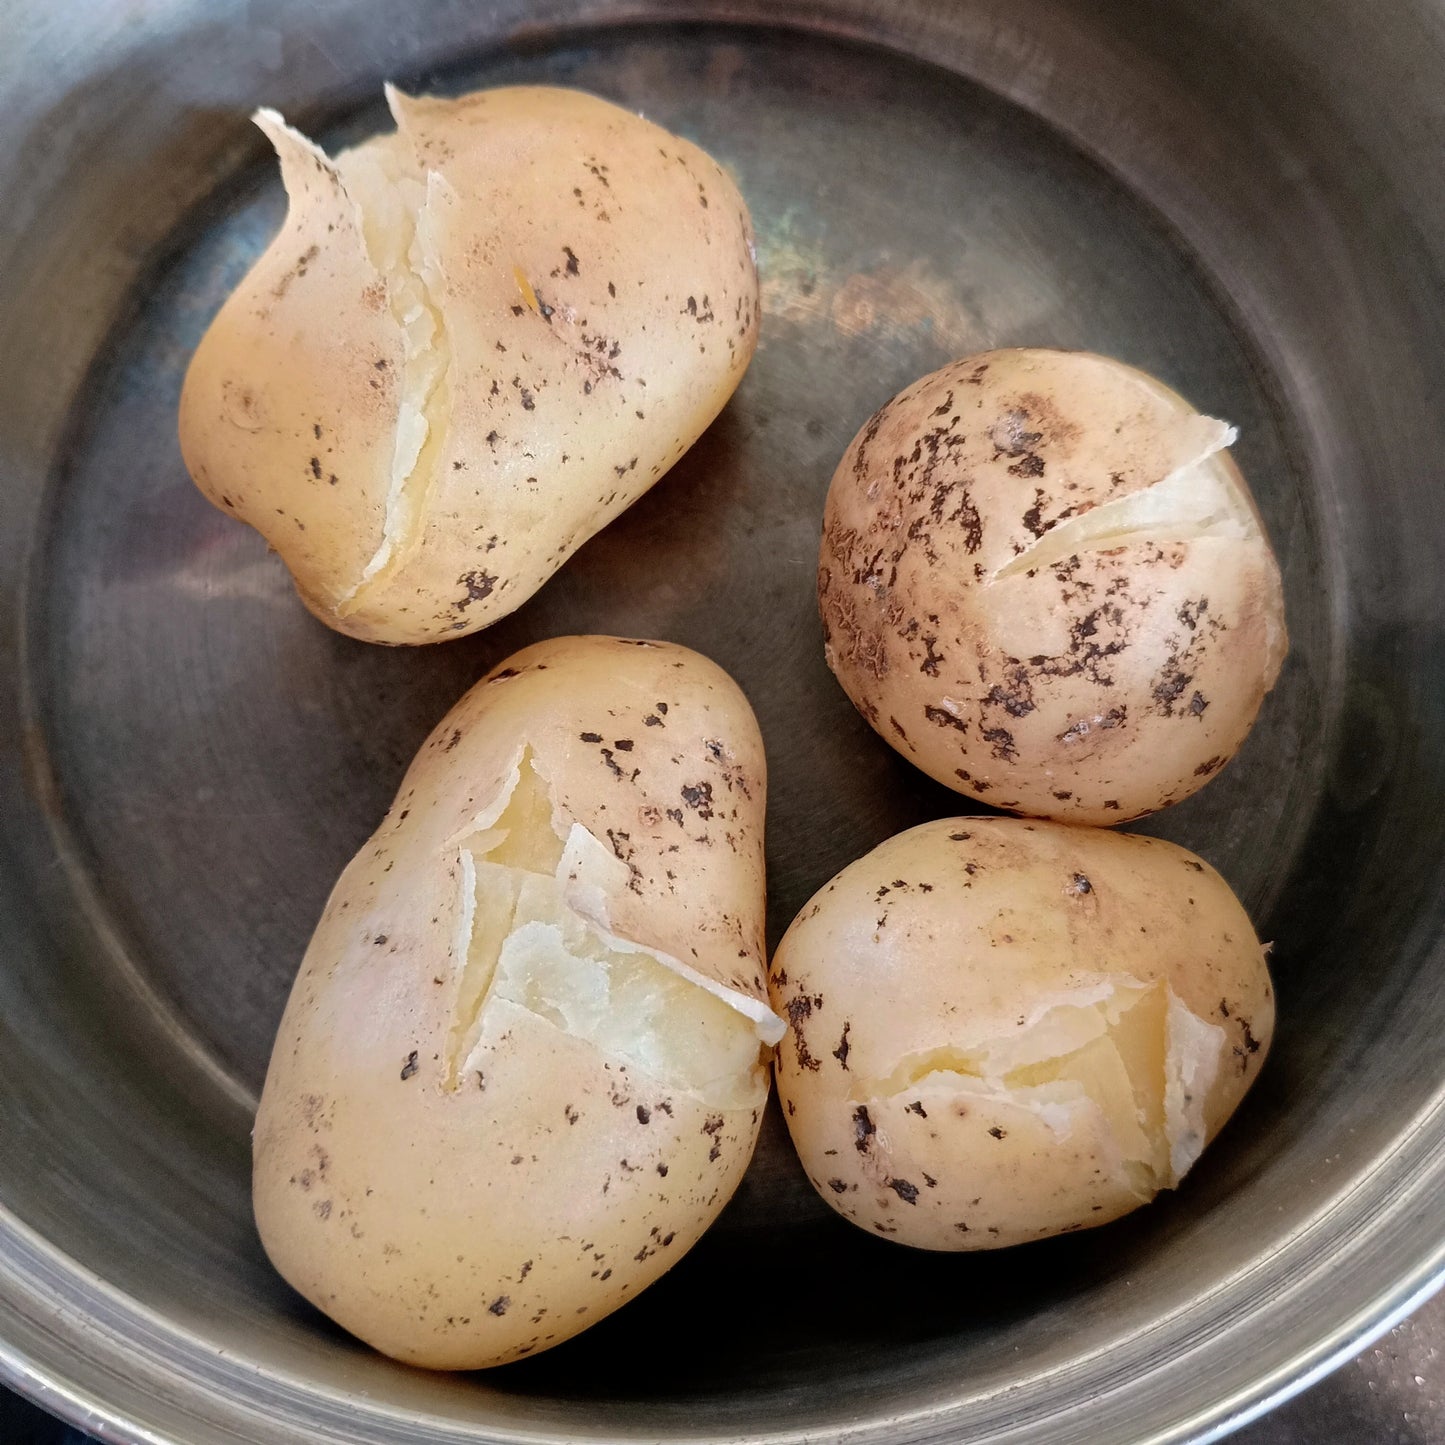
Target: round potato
(1044,581)
(1002,1030)
(524,1062)
(474,342)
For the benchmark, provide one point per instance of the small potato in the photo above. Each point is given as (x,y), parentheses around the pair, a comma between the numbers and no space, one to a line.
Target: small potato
(474,343)
(1044,581)
(1002,1030)
(523,1065)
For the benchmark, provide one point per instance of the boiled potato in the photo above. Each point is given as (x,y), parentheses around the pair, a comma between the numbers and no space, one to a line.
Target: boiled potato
(1044,581)
(474,342)
(1002,1030)
(524,1062)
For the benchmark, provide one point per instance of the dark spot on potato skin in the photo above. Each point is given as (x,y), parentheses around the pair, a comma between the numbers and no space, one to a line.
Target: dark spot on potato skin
(698,796)
(1189,613)
(943,718)
(479,586)
(799,1010)
(906,1191)
(1172,683)
(409,1068)
(843,1049)
(1033,517)
(863,1129)
(1002,743)
(1016,700)
(713,1128)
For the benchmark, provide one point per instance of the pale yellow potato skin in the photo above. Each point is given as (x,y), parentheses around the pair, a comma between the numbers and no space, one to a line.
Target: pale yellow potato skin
(1094,689)
(596,280)
(460,1228)
(953,933)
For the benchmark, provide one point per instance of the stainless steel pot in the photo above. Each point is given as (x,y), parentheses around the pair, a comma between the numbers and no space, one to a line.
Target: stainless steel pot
(1245,196)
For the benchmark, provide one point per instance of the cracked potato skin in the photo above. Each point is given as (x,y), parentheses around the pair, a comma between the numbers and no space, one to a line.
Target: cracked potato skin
(596,292)
(950,933)
(457,1227)
(1094,689)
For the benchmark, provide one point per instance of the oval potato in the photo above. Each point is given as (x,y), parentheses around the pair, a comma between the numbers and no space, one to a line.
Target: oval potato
(1043,580)
(474,343)
(1001,1030)
(523,1065)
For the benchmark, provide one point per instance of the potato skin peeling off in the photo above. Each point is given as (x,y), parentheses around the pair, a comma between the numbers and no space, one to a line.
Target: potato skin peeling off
(1001,1030)
(474,342)
(1043,580)
(523,1065)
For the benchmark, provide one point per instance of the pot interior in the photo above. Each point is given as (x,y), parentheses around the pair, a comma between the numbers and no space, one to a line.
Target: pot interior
(193,758)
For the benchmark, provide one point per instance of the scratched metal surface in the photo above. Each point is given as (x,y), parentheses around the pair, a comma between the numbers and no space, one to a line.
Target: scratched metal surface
(191,759)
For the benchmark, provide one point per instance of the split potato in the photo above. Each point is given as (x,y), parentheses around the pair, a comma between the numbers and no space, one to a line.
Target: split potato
(1001,1030)
(1044,581)
(524,1062)
(474,343)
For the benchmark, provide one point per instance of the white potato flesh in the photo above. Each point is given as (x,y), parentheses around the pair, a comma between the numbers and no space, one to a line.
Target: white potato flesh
(1043,580)
(523,1065)
(475,341)
(1002,1030)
